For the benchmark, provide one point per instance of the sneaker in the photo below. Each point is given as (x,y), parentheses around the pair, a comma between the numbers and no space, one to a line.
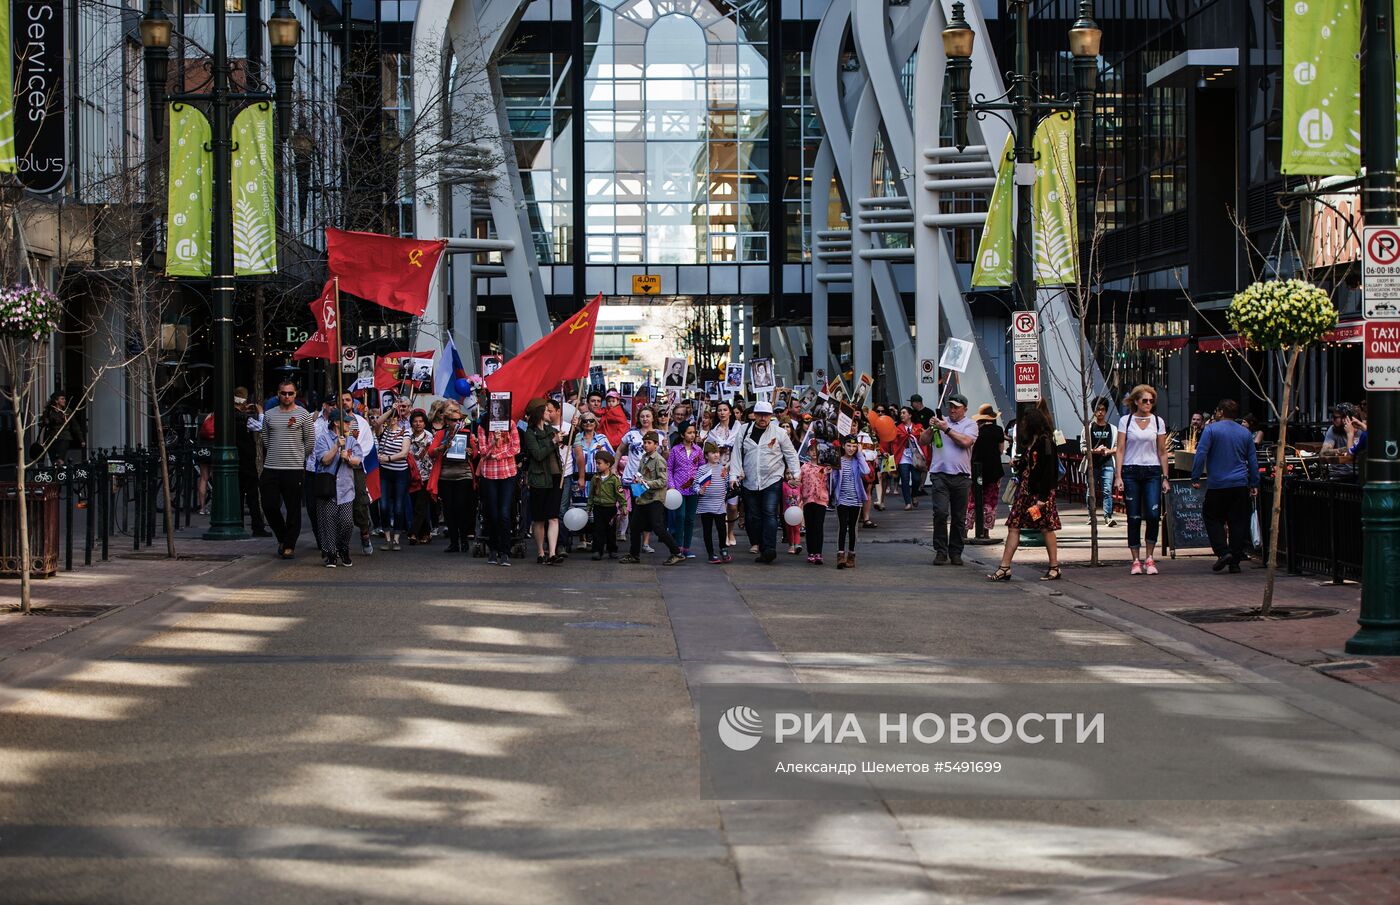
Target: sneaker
(674,559)
(753,549)
(629,559)
(819,559)
(330,562)
(366,545)
(812,558)
(768,556)
(647,548)
(715,561)
(955,560)
(1150,566)
(725,557)
(1112,523)
(1222,562)
(490,560)
(1136,569)
(505,560)
(345,558)
(940,559)
(689,555)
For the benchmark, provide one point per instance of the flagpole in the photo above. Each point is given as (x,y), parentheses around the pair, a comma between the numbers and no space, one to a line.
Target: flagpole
(572,424)
(335,352)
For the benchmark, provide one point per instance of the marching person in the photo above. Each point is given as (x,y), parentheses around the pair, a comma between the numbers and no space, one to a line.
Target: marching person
(337,453)
(543,476)
(452,453)
(815,486)
(1141,473)
(986,458)
(495,473)
(1038,469)
(848,491)
(712,481)
(604,498)
(1225,452)
(648,513)
(289,438)
(420,441)
(393,443)
(763,458)
(904,448)
(684,461)
(1103,440)
(948,443)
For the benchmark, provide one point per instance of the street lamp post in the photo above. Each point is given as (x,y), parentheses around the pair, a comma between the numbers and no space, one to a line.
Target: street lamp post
(1380,497)
(1023,101)
(284,31)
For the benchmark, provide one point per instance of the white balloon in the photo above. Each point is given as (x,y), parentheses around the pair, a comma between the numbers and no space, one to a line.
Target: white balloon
(576,518)
(673,499)
(793,515)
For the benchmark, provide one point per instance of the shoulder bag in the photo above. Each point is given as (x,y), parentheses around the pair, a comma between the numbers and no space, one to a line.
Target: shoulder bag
(324,482)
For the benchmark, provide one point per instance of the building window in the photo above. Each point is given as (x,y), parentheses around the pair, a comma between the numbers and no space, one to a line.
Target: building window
(675,113)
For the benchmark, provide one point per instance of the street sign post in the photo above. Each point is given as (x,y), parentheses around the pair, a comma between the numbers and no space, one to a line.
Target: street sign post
(1381,272)
(927,373)
(1025,337)
(1027,381)
(1382,355)
(350,359)
(646,284)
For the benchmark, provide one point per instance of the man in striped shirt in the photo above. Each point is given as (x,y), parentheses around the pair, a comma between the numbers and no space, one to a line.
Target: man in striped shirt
(289,435)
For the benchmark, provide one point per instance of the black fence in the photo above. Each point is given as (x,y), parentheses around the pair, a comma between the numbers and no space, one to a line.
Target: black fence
(1319,527)
(110,501)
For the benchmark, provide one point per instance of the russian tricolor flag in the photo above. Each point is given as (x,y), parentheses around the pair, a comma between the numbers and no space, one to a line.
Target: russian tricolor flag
(449,371)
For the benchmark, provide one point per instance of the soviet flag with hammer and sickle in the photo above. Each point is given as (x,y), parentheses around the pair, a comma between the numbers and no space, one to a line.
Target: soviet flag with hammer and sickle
(395,273)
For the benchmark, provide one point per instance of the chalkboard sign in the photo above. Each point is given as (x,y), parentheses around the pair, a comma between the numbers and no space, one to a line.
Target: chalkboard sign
(1185,526)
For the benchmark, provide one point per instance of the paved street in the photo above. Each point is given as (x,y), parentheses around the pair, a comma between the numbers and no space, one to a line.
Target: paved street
(425,728)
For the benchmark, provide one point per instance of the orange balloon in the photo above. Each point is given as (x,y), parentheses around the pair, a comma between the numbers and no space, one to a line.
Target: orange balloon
(884,427)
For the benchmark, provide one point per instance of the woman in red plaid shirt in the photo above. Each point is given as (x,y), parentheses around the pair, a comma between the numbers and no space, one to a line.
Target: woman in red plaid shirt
(495,472)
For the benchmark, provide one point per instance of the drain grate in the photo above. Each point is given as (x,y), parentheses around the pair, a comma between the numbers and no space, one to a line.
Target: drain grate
(1208,615)
(607,626)
(70,610)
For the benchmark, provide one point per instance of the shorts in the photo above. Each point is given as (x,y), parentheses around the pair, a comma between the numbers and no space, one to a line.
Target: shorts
(544,503)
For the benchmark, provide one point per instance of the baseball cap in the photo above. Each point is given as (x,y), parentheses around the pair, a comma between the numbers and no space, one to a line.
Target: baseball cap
(613,394)
(958,399)
(763,407)
(916,398)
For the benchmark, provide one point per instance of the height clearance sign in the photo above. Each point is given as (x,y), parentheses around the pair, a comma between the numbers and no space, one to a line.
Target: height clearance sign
(1381,285)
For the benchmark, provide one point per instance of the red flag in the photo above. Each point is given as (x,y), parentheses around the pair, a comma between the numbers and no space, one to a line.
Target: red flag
(386,368)
(562,355)
(395,273)
(325,342)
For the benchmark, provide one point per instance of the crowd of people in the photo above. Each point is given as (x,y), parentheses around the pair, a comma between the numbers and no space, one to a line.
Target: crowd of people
(585,476)
(659,475)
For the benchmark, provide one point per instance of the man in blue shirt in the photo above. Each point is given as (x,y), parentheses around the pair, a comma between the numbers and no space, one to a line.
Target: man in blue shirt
(1226,452)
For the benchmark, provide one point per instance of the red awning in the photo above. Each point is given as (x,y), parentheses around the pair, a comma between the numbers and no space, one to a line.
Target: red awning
(1231,343)
(1163,343)
(1345,333)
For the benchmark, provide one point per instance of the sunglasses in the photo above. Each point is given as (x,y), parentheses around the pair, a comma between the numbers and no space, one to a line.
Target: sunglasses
(286,394)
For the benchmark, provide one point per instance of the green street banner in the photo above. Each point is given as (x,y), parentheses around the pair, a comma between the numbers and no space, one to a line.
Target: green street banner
(7,94)
(254,212)
(1321,88)
(996,257)
(190,195)
(1052,202)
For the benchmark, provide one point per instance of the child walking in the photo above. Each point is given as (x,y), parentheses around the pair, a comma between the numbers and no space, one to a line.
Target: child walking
(604,498)
(816,495)
(848,491)
(648,514)
(712,485)
(792,533)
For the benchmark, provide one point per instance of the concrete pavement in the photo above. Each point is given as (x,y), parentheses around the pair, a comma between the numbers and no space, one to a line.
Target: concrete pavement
(425,728)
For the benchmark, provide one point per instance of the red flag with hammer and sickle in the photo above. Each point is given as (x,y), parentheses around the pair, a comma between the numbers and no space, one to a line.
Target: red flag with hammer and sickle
(562,355)
(395,273)
(325,342)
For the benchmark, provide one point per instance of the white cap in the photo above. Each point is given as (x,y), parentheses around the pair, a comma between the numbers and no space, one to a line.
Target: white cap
(763,407)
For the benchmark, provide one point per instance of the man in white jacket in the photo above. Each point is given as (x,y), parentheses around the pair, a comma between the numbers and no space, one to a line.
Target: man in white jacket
(763,457)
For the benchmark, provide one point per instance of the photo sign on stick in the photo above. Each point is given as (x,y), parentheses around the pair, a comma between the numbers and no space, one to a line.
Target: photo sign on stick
(499,415)
(957,354)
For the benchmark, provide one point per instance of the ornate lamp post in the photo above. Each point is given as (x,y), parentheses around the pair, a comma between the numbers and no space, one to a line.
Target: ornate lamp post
(1023,101)
(1380,497)
(283,31)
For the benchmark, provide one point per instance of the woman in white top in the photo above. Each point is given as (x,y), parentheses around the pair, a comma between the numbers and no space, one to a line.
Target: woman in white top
(1140,472)
(722,435)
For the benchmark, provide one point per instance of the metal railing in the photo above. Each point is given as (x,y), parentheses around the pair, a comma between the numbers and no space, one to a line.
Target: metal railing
(1320,527)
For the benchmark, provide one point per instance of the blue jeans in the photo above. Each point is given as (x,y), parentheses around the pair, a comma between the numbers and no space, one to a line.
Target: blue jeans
(393,500)
(497,495)
(761,515)
(1142,497)
(906,482)
(681,522)
(1104,475)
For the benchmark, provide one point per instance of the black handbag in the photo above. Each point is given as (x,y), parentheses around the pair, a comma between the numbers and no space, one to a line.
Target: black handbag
(323,482)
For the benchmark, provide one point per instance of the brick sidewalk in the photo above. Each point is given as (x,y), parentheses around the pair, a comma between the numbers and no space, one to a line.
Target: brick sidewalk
(1187,582)
(1367,876)
(126,579)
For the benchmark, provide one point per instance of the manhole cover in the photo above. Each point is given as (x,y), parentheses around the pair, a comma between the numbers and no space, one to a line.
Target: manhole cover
(185,557)
(607,626)
(71,610)
(1251,613)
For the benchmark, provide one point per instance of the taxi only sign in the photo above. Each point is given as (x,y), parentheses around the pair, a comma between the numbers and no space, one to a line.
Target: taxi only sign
(1382,345)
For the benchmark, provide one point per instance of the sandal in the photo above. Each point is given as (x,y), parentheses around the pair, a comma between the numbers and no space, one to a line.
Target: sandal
(868,524)
(1051,574)
(1001,574)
